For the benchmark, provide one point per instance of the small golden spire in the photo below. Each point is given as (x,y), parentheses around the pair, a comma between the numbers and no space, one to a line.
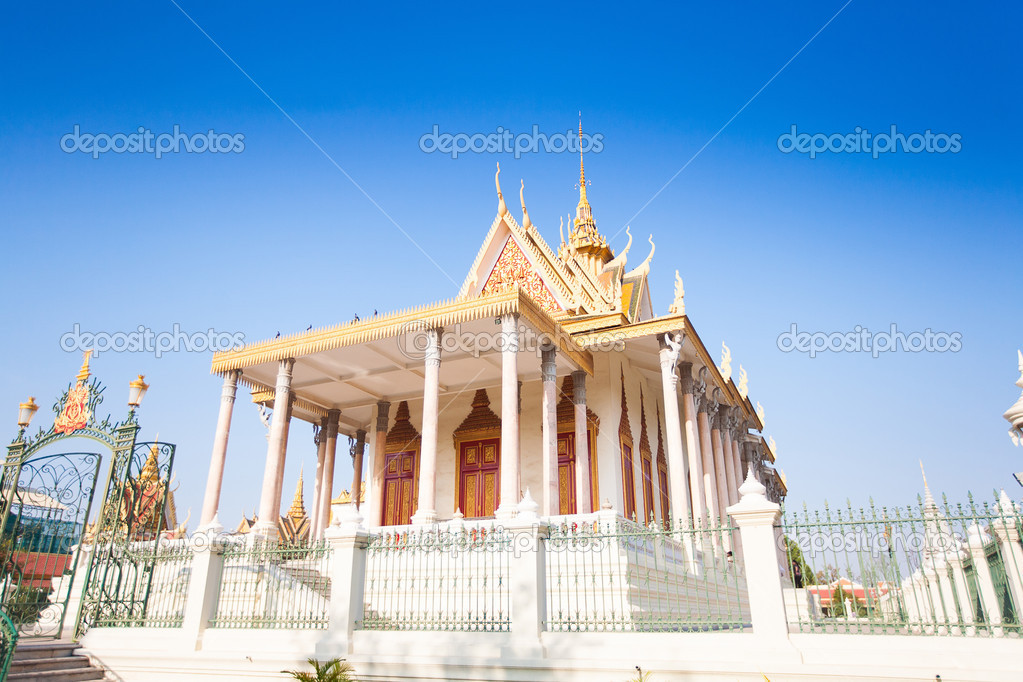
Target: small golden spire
(151,470)
(83,373)
(297,509)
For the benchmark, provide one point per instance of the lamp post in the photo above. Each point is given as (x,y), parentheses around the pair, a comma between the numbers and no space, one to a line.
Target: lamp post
(26,411)
(136,391)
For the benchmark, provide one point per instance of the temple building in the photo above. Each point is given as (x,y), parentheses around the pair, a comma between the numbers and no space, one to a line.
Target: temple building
(549,371)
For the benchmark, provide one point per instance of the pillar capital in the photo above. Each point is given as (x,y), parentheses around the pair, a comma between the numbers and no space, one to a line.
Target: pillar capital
(383,415)
(685,372)
(548,364)
(332,422)
(579,387)
(431,354)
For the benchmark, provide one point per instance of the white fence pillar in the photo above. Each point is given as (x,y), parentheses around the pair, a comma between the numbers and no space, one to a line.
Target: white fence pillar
(756,516)
(348,543)
(1008,537)
(203,585)
(528,577)
(989,599)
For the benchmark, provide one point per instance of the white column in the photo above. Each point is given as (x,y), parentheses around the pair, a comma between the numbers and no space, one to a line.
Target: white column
(279,486)
(378,465)
(548,373)
(731,487)
(427,508)
(327,493)
(360,449)
(707,455)
(215,480)
(678,494)
(696,491)
(266,526)
(737,459)
(509,417)
(582,445)
(321,453)
(720,473)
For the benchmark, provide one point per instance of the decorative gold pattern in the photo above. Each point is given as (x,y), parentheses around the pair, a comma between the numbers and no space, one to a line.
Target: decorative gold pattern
(481,421)
(75,413)
(513,269)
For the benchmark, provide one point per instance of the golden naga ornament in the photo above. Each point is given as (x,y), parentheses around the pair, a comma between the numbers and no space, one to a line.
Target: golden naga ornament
(75,412)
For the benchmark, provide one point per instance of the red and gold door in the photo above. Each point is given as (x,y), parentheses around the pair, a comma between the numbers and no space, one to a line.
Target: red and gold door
(478,477)
(662,481)
(399,488)
(567,463)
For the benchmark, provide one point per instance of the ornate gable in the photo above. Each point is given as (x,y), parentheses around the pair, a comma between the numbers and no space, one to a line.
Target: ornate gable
(514,269)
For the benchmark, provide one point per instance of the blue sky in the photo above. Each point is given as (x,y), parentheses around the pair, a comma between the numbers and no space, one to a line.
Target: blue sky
(277,238)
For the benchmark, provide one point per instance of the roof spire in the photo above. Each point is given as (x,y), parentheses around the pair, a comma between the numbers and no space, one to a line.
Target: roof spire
(298,504)
(582,169)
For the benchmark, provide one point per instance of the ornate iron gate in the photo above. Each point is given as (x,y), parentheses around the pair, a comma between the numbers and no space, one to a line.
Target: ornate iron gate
(126,537)
(40,542)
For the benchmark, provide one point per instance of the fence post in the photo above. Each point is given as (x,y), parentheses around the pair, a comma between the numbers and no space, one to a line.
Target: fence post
(527,571)
(348,542)
(755,516)
(1007,533)
(989,600)
(203,584)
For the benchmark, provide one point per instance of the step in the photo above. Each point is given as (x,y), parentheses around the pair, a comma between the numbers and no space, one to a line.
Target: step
(58,675)
(31,665)
(44,650)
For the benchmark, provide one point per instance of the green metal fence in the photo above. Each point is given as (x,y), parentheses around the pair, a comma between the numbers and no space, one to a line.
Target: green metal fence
(438,579)
(8,640)
(269,585)
(149,587)
(924,569)
(605,576)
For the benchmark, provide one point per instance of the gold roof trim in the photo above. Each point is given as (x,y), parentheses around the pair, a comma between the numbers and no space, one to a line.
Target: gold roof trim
(440,314)
(261,393)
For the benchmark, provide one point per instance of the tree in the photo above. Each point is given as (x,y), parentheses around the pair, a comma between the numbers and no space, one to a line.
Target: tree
(334,670)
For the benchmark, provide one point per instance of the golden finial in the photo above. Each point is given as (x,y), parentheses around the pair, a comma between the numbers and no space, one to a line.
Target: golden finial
(83,373)
(923,473)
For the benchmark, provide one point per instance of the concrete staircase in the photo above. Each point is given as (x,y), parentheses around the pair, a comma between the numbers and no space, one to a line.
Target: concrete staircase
(54,660)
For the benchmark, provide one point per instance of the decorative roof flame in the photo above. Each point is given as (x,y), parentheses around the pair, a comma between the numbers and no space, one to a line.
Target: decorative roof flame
(644,268)
(526,222)
(502,208)
(678,306)
(726,362)
(743,382)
